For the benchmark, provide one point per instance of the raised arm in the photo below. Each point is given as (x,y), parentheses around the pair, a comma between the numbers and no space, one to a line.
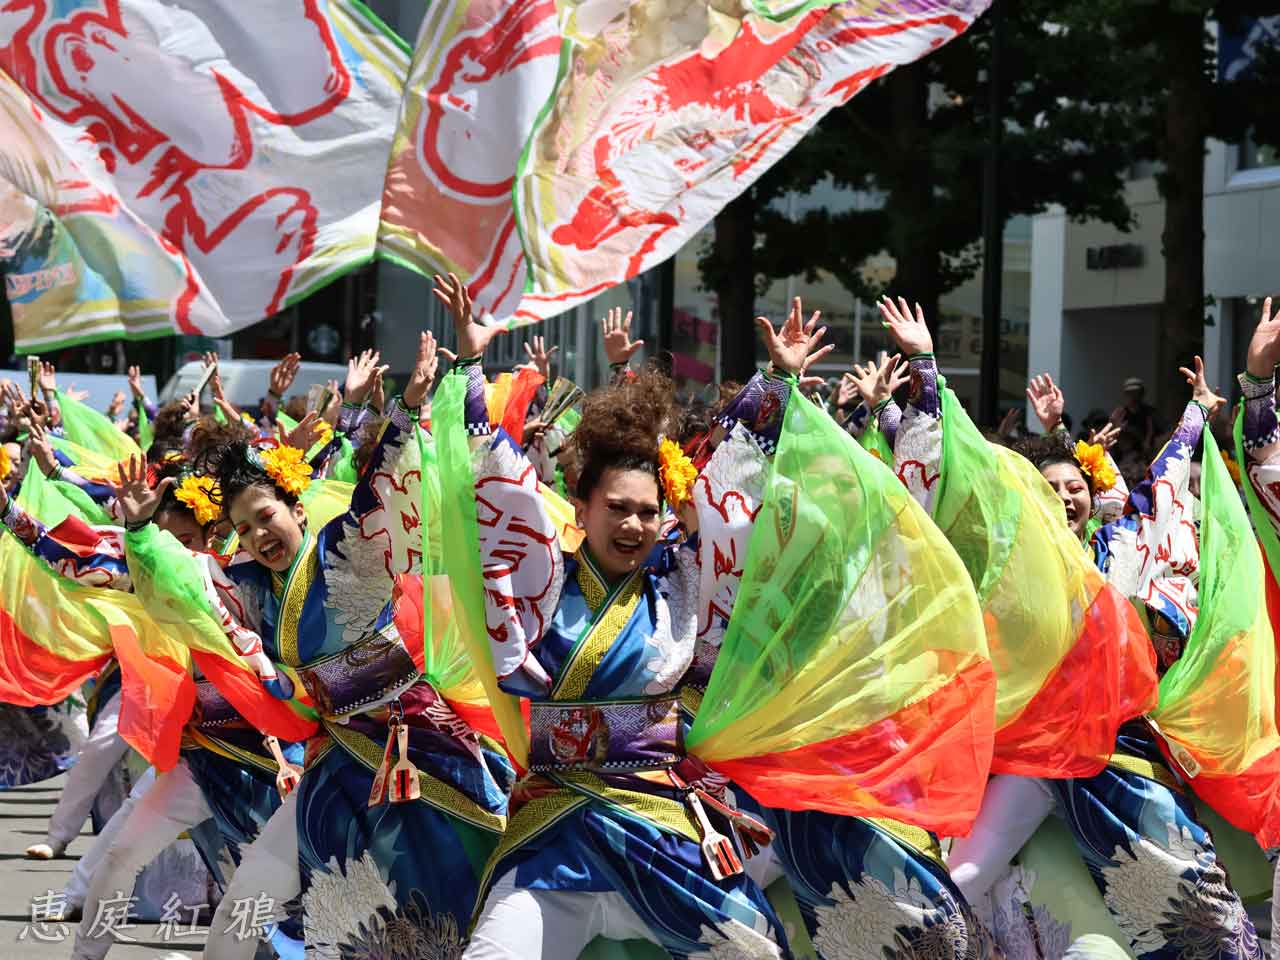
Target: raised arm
(917,443)
(365,548)
(140,399)
(1172,465)
(93,556)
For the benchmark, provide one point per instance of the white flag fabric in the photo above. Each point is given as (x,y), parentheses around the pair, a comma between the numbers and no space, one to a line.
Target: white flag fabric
(187,166)
(548,151)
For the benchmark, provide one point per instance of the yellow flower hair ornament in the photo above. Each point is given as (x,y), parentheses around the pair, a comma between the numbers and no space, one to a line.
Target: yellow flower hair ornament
(288,467)
(6,464)
(324,432)
(1233,468)
(199,493)
(677,473)
(1095,465)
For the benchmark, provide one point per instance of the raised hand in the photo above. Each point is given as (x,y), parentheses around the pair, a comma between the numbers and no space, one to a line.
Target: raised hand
(615,330)
(1105,436)
(304,435)
(135,382)
(910,333)
(794,346)
(40,447)
(117,404)
(540,356)
(75,393)
(361,372)
(1264,347)
(878,382)
(473,338)
(1047,401)
(1009,423)
(809,386)
(48,379)
(138,499)
(191,407)
(424,371)
(848,391)
(1201,393)
(283,374)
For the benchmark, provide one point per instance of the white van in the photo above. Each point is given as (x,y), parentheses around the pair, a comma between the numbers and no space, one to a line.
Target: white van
(245,382)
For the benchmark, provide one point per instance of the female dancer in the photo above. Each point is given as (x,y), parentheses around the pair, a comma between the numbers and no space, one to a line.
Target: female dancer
(610,828)
(1135,816)
(386,858)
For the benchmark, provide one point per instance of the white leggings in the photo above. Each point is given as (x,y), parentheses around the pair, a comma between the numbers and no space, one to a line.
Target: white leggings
(549,924)
(518,924)
(1012,810)
(152,821)
(77,887)
(101,752)
(1275,912)
(268,868)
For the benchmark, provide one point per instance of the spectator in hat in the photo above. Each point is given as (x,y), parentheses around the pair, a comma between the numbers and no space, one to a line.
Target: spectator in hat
(1136,416)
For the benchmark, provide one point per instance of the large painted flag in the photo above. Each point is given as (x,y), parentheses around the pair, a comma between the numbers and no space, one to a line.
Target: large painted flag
(189,166)
(1071,655)
(547,151)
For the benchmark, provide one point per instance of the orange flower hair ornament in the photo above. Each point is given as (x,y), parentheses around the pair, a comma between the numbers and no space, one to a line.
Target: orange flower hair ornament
(1233,468)
(199,493)
(288,467)
(324,432)
(6,464)
(677,473)
(1095,465)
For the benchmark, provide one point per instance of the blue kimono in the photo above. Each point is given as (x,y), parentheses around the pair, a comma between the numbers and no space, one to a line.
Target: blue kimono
(603,807)
(864,887)
(412,865)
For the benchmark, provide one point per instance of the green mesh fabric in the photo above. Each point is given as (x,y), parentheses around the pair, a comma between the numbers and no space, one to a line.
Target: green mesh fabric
(875,442)
(979,514)
(1219,696)
(87,427)
(1261,520)
(853,674)
(146,434)
(460,552)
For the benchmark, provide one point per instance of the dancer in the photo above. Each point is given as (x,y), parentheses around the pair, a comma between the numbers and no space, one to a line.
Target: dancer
(1135,818)
(618,831)
(375,849)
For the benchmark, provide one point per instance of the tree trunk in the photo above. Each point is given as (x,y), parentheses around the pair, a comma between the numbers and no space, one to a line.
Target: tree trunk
(733,269)
(910,202)
(1182,185)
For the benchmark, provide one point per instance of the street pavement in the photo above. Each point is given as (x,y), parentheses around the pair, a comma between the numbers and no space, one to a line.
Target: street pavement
(24,812)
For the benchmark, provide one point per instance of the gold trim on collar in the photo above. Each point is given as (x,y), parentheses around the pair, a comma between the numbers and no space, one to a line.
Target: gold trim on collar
(230,751)
(917,838)
(532,819)
(1145,768)
(612,613)
(435,792)
(303,573)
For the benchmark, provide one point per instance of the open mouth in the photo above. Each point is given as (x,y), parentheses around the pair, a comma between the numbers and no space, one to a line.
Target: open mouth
(627,548)
(272,551)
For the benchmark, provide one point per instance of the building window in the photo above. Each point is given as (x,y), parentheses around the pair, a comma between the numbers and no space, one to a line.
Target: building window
(1254,156)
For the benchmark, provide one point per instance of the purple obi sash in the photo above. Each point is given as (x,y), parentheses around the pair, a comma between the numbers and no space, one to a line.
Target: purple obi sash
(611,735)
(373,671)
(214,712)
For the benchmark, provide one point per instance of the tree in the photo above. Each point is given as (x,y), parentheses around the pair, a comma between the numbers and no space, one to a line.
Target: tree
(916,141)
(1173,101)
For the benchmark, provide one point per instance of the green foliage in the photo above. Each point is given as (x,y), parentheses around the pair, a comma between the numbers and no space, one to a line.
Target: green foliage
(1088,88)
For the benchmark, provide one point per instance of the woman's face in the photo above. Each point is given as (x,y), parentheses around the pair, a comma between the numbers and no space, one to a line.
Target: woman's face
(1072,488)
(270,530)
(184,528)
(622,518)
